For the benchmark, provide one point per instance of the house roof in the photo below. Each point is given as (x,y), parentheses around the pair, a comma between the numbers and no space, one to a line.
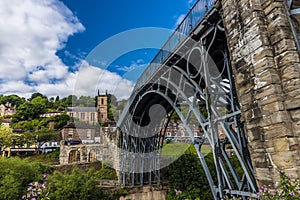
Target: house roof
(81,109)
(78,125)
(8,121)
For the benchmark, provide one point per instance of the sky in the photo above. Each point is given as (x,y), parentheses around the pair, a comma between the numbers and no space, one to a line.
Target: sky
(63,47)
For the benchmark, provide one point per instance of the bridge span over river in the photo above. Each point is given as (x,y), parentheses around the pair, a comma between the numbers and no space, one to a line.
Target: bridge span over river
(233,66)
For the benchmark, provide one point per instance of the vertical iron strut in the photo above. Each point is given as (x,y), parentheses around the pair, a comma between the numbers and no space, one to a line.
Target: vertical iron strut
(193,79)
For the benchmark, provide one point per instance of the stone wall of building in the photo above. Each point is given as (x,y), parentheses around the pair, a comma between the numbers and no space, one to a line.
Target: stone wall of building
(106,151)
(266,65)
(146,193)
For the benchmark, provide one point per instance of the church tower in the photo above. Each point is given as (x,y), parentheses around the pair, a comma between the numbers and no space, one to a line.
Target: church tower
(102,101)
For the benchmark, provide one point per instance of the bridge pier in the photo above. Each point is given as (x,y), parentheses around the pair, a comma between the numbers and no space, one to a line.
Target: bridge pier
(266,65)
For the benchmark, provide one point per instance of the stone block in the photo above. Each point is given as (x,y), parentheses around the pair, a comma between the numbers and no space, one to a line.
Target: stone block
(258,147)
(280,116)
(287,58)
(277,16)
(279,33)
(292,85)
(255,133)
(281,144)
(253,113)
(272,107)
(268,90)
(244,88)
(262,52)
(246,97)
(255,5)
(253,31)
(295,114)
(293,144)
(284,45)
(268,76)
(259,161)
(293,172)
(263,64)
(270,149)
(257,18)
(268,9)
(296,128)
(293,103)
(242,77)
(264,176)
(285,159)
(280,130)
(290,71)
(270,99)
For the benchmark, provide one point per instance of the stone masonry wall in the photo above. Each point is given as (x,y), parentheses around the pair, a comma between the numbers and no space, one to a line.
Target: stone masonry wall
(266,66)
(107,152)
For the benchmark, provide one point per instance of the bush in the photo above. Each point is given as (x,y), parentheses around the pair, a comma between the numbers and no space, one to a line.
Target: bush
(187,179)
(77,185)
(15,176)
(106,173)
(287,189)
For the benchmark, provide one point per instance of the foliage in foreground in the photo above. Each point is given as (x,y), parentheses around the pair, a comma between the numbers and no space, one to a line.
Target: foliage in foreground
(25,179)
(187,179)
(16,174)
(287,189)
(77,185)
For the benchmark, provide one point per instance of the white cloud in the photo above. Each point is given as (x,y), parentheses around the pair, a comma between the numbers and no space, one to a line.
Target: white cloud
(134,65)
(32,31)
(89,79)
(31,34)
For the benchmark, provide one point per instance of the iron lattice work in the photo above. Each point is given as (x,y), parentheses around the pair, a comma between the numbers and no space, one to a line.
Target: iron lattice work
(195,81)
(293,8)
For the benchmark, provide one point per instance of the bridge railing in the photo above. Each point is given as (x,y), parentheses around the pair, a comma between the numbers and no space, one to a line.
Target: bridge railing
(188,24)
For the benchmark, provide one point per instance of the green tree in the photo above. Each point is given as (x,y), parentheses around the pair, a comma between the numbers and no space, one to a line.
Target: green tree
(5,136)
(77,185)
(26,125)
(31,109)
(57,98)
(112,104)
(59,121)
(187,176)
(15,100)
(106,173)
(37,94)
(16,174)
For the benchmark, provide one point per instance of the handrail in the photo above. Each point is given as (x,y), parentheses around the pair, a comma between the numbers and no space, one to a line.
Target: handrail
(190,21)
(187,25)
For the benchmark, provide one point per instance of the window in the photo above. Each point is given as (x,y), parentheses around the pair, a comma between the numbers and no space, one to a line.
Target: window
(82,116)
(71,114)
(70,134)
(89,134)
(102,101)
(92,117)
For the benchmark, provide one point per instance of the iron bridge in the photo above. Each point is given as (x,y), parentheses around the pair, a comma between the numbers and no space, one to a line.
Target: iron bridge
(191,75)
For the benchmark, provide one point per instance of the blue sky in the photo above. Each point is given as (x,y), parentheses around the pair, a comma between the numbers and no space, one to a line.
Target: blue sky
(44,44)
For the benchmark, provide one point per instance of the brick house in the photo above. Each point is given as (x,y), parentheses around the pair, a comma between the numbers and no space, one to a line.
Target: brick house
(80,132)
(7,109)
